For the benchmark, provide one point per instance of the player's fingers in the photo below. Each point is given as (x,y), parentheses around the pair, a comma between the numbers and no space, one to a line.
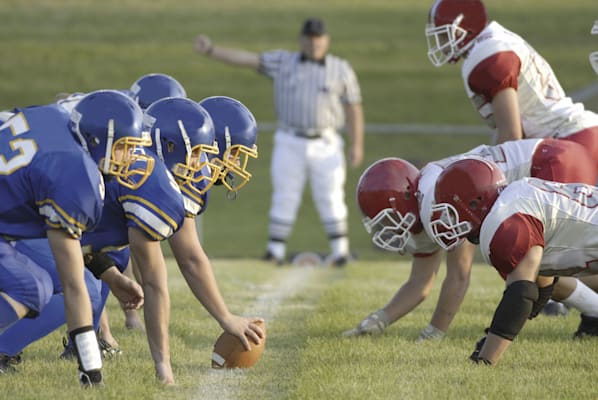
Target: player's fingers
(252,335)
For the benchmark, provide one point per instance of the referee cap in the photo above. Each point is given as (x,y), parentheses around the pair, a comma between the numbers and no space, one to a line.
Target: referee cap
(313,27)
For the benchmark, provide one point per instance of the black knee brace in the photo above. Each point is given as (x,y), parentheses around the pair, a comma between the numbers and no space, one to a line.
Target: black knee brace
(514,309)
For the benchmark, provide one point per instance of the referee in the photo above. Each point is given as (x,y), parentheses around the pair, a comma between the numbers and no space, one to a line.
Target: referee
(316,94)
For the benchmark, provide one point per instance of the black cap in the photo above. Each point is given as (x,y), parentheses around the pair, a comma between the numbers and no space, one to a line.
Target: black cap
(313,27)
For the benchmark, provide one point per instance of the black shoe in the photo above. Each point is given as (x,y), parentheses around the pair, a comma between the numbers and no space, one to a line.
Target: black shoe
(69,350)
(555,309)
(587,327)
(91,379)
(340,262)
(269,257)
(7,363)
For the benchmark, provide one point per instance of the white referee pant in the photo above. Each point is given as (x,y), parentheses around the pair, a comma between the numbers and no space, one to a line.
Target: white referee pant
(322,160)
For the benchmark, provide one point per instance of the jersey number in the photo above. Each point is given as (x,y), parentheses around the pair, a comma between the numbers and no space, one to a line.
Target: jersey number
(21,151)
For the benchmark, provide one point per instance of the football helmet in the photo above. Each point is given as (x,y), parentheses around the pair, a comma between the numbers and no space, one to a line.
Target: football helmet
(182,135)
(386,195)
(236,135)
(452,26)
(108,125)
(153,87)
(464,194)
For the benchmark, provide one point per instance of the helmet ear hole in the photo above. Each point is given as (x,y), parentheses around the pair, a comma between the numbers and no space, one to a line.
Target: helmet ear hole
(474,204)
(170,145)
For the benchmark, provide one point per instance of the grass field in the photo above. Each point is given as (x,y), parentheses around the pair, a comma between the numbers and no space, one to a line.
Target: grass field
(52,46)
(306,310)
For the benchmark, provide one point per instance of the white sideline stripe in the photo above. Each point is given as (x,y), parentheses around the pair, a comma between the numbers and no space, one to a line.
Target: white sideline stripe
(227,384)
(586,93)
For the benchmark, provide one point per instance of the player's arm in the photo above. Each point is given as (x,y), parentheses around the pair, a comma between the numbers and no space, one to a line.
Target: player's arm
(355,131)
(197,270)
(514,307)
(69,262)
(148,256)
(243,58)
(452,293)
(507,116)
(407,298)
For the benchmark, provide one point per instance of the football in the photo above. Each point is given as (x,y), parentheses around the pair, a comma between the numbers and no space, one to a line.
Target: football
(307,259)
(230,353)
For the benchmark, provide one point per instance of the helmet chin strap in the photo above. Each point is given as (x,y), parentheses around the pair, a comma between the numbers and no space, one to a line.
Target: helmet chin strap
(109,141)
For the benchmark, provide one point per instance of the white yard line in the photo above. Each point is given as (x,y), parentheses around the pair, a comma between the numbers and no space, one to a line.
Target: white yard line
(228,384)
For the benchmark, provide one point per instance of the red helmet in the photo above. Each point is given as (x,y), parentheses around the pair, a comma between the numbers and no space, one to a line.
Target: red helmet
(452,27)
(464,194)
(386,197)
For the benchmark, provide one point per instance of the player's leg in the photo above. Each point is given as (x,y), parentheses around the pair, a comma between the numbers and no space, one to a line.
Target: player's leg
(53,315)
(327,169)
(288,174)
(25,289)
(574,293)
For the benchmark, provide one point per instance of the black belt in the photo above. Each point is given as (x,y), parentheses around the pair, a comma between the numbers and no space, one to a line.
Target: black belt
(307,135)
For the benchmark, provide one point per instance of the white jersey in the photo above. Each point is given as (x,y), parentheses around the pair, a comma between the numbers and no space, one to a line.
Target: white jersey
(501,59)
(562,218)
(514,158)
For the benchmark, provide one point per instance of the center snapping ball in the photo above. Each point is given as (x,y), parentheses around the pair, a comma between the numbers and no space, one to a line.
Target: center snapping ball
(230,353)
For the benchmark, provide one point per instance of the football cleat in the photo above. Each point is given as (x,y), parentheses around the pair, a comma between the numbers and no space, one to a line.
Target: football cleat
(7,363)
(68,352)
(269,257)
(555,309)
(587,327)
(91,379)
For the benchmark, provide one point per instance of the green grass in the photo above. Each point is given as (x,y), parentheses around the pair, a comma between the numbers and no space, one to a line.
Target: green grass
(306,358)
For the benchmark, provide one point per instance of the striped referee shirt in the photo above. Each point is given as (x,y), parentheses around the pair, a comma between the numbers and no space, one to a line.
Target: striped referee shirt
(307,94)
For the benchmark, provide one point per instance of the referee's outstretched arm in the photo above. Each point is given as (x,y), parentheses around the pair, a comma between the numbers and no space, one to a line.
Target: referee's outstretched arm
(243,58)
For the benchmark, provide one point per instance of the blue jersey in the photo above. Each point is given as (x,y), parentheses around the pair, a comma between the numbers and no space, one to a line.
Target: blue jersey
(46,179)
(156,208)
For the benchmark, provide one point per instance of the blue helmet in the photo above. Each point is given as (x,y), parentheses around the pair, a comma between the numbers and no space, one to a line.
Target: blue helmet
(182,136)
(108,125)
(236,135)
(153,87)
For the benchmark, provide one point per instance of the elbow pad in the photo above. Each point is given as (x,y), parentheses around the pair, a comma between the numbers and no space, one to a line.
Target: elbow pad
(514,309)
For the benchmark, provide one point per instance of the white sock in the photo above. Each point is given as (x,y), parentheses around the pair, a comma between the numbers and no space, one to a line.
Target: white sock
(583,299)
(277,249)
(339,247)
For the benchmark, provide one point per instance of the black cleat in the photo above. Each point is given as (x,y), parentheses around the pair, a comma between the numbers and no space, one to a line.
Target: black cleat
(7,363)
(340,262)
(91,379)
(69,352)
(587,327)
(269,257)
(555,309)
